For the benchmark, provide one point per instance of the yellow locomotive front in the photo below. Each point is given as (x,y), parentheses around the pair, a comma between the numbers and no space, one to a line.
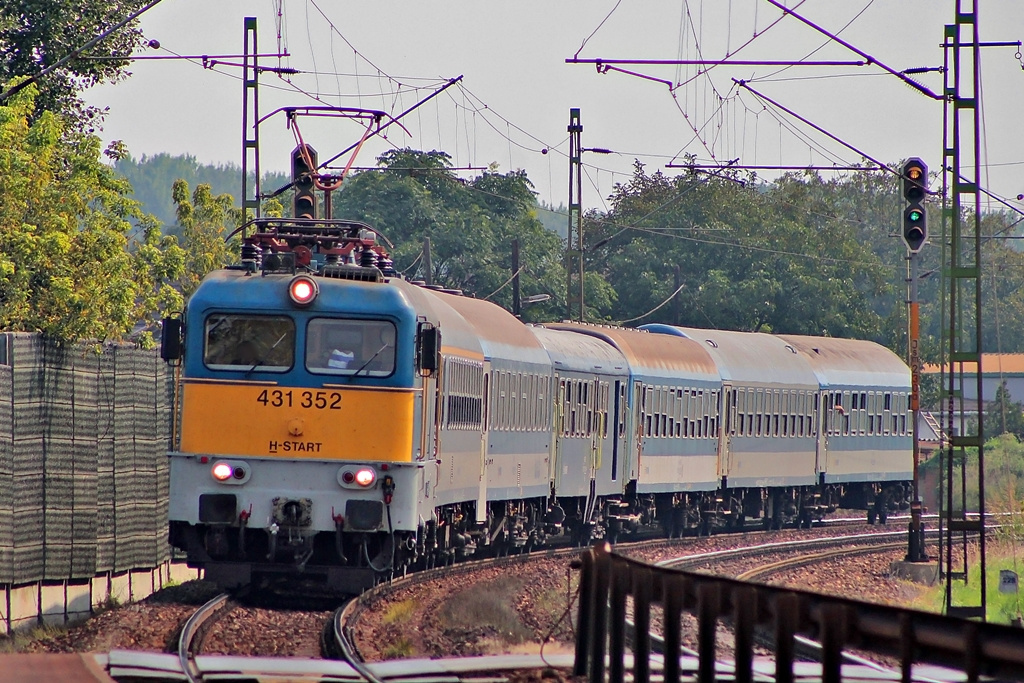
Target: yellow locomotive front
(300,441)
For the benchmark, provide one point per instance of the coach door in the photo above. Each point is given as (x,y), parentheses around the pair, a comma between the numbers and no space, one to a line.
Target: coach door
(823,424)
(638,412)
(485,421)
(561,429)
(727,418)
(618,426)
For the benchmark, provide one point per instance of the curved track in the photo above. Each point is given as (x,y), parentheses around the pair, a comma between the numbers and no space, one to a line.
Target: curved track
(770,568)
(186,640)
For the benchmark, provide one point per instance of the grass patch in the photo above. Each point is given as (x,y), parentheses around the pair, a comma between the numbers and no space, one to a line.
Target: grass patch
(399,648)
(399,612)
(20,639)
(485,610)
(1001,608)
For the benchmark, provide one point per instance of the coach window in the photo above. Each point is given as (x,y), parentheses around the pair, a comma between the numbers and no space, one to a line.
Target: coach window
(670,410)
(881,413)
(904,414)
(874,427)
(794,406)
(663,427)
(801,407)
(752,412)
(249,342)
(350,347)
(784,412)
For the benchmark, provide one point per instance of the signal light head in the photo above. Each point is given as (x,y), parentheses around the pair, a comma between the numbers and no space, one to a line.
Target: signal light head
(914,180)
(915,227)
(303,290)
(914,184)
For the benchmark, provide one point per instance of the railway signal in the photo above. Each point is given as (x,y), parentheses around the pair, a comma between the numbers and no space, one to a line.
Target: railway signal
(914,184)
(303,168)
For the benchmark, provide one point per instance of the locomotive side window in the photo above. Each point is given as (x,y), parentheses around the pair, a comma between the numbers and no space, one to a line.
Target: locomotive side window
(350,347)
(249,342)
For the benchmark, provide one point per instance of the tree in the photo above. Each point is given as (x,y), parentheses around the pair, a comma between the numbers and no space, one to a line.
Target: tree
(205,223)
(1004,415)
(471,226)
(66,222)
(748,256)
(153,179)
(35,35)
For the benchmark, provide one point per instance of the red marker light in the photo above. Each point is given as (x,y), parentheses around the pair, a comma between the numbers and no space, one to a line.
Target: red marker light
(365,477)
(303,290)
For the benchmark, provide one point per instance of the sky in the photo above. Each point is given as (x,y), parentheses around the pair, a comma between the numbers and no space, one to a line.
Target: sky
(510,110)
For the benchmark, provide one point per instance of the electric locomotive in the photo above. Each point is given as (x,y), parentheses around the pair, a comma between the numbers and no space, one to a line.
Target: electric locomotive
(304,386)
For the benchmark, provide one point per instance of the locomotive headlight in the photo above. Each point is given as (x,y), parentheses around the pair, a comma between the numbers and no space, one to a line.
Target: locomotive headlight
(357,477)
(303,290)
(222,471)
(230,472)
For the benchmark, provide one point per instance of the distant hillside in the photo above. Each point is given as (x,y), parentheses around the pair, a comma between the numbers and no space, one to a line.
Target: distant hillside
(152,178)
(555,219)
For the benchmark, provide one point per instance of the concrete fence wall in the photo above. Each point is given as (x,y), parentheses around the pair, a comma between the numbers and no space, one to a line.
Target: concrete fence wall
(84,431)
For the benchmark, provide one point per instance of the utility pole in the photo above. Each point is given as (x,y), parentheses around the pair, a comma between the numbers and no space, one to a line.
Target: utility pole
(574,238)
(428,265)
(517,303)
(961,118)
(250,111)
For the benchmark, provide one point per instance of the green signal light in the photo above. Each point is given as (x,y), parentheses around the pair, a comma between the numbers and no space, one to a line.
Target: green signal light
(915,215)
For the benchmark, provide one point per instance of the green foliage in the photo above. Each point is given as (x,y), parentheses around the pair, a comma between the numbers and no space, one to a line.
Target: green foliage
(400,612)
(71,265)
(399,648)
(1004,475)
(153,179)
(485,608)
(1000,608)
(470,225)
(1004,415)
(205,222)
(743,255)
(34,35)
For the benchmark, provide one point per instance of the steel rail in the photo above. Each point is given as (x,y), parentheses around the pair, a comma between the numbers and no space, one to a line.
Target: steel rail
(812,558)
(188,634)
(345,644)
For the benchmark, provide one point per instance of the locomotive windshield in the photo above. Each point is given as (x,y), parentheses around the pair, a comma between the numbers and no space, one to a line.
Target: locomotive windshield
(249,342)
(350,347)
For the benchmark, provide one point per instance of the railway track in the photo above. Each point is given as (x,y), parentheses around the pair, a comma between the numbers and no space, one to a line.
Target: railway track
(222,623)
(245,630)
(187,640)
(822,548)
(375,602)
(766,570)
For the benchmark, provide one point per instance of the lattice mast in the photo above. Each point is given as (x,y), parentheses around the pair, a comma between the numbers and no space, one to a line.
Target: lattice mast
(962,122)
